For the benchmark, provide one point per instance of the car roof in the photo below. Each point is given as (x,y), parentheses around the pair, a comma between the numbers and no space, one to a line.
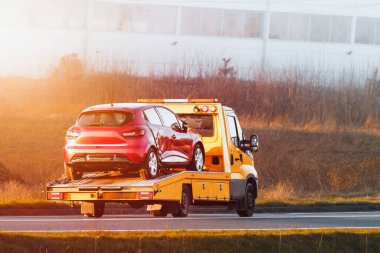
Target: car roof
(118,106)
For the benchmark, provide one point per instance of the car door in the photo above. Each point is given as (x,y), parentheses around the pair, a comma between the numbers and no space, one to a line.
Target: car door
(176,144)
(184,141)
(158,130)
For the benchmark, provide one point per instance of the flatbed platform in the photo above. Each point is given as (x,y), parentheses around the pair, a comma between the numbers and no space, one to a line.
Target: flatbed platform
(214,186)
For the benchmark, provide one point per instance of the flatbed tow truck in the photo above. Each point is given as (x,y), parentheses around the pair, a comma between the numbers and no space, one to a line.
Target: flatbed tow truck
(229,177)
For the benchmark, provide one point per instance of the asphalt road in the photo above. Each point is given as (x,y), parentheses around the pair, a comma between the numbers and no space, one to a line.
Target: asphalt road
(192,222)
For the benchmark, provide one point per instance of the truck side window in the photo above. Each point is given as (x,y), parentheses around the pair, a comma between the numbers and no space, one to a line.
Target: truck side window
(232,130)
(239,129)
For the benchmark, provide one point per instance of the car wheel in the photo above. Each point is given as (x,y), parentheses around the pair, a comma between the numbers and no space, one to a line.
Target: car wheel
(72,173)
(248,202)
(184,206)
(151,164)
(198,159)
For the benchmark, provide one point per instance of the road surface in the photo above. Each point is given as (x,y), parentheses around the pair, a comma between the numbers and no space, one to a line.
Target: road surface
(192,222)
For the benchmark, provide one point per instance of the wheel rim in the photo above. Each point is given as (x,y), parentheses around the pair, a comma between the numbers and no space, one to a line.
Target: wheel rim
(198,159)
(185,202)
(152,164)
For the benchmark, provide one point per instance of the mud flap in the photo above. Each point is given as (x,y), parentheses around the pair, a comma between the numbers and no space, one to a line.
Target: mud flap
(154,207)
(87,208)
(169,207)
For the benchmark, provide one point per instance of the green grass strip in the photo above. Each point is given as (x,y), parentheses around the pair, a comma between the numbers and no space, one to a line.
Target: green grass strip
(324,240)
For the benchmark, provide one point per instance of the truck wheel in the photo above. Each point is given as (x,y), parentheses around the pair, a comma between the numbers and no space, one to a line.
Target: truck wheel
(72,173)
(198,159)
(184,206)
(159,213)
(248,202)
(98,212)
(151,164)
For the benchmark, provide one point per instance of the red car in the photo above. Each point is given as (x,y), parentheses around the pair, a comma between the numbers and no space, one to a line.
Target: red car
(130,136)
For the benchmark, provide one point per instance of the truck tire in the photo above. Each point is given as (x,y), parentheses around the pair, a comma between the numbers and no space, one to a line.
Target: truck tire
(248,204)
(98,212)
(184,206)
(72,173)
(198,159)
(151,165)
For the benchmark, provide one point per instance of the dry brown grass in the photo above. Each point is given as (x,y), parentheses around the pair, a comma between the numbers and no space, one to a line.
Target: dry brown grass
(319,163)
(315,138)
(16,191)
(281,191)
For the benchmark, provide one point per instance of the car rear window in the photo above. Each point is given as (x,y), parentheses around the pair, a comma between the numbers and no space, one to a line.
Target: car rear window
(203,124)
(105,119)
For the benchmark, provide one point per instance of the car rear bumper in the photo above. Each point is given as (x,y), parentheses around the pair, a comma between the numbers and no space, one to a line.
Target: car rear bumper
(103,155)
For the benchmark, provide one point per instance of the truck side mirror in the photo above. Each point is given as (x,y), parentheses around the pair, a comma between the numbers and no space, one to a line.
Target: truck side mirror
(254,143)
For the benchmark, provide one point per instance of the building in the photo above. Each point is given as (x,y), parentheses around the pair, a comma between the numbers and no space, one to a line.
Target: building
(180,35)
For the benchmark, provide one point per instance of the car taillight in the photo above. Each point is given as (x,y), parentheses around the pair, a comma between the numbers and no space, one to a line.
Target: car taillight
(144,195)
(70,135)
(55,195)
(134,133)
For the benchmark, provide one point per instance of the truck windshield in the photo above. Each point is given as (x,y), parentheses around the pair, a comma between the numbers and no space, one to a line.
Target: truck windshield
(203,124)
(105,119)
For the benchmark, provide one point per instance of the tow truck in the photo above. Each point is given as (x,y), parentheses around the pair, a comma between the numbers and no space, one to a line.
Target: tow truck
(228,178)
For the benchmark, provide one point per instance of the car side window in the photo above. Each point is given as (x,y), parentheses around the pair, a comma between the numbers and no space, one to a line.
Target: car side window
(152,116)
(180,122)
(231,122)
(167,116)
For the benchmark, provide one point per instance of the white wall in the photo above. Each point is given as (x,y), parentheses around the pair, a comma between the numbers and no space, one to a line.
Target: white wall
(32,51)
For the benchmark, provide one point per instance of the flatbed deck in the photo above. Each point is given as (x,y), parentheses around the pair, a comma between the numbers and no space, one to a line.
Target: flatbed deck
(116,187)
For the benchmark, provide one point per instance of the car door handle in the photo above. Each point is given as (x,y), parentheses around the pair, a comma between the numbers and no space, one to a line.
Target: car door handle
(173,136)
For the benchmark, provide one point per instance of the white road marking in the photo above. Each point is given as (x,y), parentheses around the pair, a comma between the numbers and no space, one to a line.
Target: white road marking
(192,217)
(215,230)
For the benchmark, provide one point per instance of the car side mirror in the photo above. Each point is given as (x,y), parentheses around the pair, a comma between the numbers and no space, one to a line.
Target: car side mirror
(176,127)
(185,126)
(252,144)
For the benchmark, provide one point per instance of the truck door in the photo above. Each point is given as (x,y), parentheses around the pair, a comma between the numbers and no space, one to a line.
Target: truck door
(237,157)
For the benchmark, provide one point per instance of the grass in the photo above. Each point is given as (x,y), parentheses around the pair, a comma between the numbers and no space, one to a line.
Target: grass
(325,240)
(319,201)
(33,204)
(298,163)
